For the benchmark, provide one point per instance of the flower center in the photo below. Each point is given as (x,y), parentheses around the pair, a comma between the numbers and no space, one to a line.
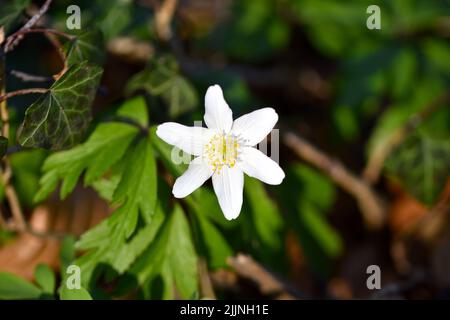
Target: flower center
(222,150)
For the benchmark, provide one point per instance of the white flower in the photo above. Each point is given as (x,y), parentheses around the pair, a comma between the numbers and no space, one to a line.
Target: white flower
(224,150)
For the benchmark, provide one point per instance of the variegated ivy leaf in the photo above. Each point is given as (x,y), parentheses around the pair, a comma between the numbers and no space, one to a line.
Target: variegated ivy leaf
(61,116)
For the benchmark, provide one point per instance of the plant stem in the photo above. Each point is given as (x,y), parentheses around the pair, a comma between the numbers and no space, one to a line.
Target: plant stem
(10,193)
(8,95)
(14,39)
(370,204)
(27,77)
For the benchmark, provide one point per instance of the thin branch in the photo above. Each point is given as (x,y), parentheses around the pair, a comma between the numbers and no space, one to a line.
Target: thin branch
(268,284)
(40,30)
(206,288)
(376,162)
(35,18)
(163,18)
(14,39)
(27,77)
(370,204)
(9,95)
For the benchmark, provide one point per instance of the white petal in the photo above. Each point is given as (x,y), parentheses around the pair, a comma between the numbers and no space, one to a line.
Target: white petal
(197,173)
(256,125)
(229,186)
(257,165)
(218,114)
(189,139)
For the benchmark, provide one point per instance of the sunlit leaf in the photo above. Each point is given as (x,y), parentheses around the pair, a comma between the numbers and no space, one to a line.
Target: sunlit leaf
(74,294)
(14,287)
(45,278)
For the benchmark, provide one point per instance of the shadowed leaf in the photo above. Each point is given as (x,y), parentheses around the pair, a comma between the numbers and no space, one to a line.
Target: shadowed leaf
(87,46)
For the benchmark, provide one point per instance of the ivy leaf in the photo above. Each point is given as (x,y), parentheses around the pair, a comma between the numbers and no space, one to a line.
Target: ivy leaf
(172,257)
(104,148)
(163,79)
(3,146)
(10,12)
(45,278)
(422,164)
(86,46)
(14,287)
(61,116)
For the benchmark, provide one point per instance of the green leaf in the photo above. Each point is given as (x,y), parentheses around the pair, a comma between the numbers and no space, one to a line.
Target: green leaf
(67,253)
(163,79)
(135,195)
(86,46)
(45,278)
(306,195)
(105,148)
(114,17)
(26,166)
(11,11)
(265,215)
(3,146)
(216,247)
(14,287)
(74,294)
(60,117)
(171,257)
(421,163)
(137,188)
(116,252)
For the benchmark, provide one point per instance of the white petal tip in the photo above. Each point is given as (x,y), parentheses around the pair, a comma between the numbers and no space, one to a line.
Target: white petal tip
(232,216)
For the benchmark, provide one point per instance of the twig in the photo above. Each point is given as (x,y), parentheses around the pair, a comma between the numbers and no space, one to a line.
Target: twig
(163,18)
(35,18)
(14,39)
(371,206)
(10,193)
(268,284)
(131,49)
(206,288)
(375,164)
(20,92)
(27,77)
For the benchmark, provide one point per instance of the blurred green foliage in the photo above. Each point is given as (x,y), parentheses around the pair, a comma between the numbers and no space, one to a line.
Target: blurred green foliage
(151,243)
